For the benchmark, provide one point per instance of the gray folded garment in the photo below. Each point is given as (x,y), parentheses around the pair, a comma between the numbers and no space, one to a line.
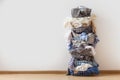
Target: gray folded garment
(80,12)
(82,54)
(81,29)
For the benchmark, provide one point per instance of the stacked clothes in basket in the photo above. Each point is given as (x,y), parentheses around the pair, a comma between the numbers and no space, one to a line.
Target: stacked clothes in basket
(81,40)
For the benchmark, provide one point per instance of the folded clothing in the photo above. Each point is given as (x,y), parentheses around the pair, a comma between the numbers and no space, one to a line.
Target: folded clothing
(89,72)
(74,63)
(79,62)
(81,29)
(83,67)
(85,54)
(80,12)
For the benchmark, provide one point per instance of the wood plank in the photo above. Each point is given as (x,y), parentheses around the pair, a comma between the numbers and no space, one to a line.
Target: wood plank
(53,72)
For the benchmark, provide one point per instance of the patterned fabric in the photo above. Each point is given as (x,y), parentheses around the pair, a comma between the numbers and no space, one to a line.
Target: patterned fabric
(85,54)
(90,71)
(79,62)
(91,38)
(71,65)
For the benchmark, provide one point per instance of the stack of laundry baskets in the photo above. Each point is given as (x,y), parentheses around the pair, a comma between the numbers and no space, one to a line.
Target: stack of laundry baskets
(81,41)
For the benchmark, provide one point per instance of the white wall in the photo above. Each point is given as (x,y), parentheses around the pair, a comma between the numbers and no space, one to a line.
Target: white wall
(32,33)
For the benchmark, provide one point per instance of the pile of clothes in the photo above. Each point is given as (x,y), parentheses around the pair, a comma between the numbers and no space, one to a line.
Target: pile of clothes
(81,40)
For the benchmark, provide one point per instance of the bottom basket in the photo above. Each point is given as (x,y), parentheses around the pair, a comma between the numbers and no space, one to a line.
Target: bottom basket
(90,71)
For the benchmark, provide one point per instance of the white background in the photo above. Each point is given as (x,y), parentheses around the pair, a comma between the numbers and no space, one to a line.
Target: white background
(32,33)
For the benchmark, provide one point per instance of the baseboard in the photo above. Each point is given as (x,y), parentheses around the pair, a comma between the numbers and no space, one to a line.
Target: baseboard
(110,71)
(54,72)
(33,72)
